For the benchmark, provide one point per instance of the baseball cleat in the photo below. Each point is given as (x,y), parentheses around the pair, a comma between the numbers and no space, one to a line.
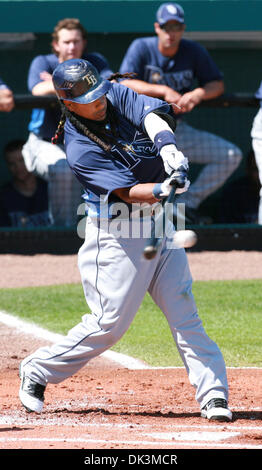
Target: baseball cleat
(216,409)
(31,393)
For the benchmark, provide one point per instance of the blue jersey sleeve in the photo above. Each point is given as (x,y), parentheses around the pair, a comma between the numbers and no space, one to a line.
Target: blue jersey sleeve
(38,65)
(134,106)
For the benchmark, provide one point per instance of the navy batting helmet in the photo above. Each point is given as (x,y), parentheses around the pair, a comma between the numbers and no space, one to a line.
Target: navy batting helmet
(79,81)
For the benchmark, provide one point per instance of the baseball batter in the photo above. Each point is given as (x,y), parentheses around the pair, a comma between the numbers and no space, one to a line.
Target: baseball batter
(121,147)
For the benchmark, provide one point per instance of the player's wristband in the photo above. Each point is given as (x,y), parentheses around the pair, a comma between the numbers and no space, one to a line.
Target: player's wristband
(163,138)
(157,191)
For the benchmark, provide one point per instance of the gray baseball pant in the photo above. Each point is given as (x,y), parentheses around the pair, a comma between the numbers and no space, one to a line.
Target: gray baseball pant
(219,157)
(115,279)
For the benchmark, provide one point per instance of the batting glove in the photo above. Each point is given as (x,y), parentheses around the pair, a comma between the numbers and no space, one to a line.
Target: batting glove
(178,177)
(173,159)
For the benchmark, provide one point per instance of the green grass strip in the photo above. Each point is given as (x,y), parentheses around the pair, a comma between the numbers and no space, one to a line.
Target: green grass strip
(231,312)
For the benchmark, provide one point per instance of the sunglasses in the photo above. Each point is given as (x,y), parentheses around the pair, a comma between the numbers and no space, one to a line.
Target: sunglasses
(168,28)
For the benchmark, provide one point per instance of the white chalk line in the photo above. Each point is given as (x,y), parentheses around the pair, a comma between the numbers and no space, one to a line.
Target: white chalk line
(156,444)
(121,359)
(38,332)
(16,420)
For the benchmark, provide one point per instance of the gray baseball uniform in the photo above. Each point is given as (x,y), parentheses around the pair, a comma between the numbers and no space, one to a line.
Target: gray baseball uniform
(115,276)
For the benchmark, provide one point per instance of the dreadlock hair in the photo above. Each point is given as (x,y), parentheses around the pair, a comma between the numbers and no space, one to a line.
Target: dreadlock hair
(93,129)
(60,127)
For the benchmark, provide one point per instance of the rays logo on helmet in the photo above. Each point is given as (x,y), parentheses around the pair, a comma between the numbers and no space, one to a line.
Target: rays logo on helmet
(79,81)
(90,78)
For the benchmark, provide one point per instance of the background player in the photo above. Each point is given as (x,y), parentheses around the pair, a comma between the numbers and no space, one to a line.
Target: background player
(109,147)
(167,67)
(24,199)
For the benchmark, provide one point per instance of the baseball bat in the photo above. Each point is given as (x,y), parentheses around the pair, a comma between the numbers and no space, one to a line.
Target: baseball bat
(153,241)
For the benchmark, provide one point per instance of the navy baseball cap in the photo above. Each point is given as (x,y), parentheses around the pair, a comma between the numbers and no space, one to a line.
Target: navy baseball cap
(168,12)
(78,80)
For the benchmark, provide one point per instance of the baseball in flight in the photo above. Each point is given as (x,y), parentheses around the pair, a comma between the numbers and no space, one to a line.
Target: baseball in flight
(185,238)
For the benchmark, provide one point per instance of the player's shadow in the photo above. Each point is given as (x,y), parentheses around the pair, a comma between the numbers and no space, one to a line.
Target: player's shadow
(237,415)
(151,414)
(250,415)
(15,429)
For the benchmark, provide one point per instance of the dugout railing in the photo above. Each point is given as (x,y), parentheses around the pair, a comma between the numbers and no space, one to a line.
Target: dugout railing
(61,240)
(26,101)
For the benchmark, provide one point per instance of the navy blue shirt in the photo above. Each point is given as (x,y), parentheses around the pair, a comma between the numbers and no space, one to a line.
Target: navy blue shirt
(102,172)
(192,61)
(17,210)
(44,121)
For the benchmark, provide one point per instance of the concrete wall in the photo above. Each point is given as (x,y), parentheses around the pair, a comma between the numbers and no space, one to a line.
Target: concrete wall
(128,15)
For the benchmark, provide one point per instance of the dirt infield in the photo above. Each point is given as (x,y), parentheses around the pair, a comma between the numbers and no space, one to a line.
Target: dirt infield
(108,406)
(36,270)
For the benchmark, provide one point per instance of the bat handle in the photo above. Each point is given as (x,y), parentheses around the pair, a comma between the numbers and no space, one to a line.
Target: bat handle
(153,242)
(172,193)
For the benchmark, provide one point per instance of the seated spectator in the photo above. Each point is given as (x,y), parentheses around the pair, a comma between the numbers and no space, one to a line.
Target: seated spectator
(182,72)
(24,200)
(41,156)
(6,98)
(239,200)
